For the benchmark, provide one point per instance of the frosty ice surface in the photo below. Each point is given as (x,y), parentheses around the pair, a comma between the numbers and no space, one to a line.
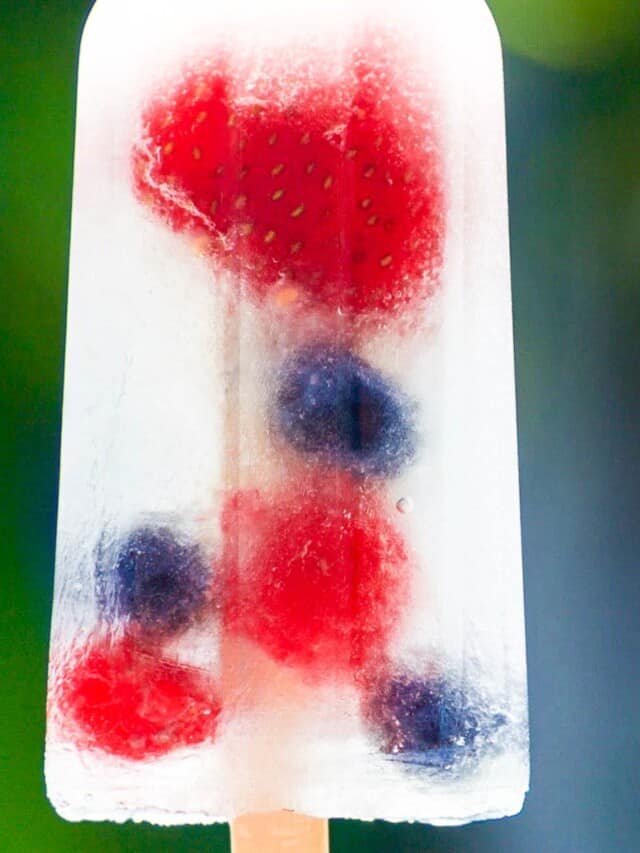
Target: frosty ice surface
(288,565)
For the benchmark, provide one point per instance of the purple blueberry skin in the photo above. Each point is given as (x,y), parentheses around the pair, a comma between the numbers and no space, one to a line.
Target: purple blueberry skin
(154,578)
(425,721)
(332,405)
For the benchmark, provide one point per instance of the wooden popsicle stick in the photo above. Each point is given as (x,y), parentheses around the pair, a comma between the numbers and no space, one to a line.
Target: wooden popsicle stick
(279,832)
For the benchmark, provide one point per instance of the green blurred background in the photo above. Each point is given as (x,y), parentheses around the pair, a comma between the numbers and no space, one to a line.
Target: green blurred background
(573,110)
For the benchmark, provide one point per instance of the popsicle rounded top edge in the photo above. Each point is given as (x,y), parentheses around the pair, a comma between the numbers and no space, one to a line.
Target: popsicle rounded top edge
(98,7)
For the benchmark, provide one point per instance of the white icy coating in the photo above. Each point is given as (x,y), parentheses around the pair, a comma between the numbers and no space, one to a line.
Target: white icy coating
(143,427)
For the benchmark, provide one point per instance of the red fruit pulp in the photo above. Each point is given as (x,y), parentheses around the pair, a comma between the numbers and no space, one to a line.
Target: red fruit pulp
(127,702)
(318,580)
(332,184)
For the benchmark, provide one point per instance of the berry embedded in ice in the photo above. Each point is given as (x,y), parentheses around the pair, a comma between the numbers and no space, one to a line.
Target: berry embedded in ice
(318,579)
(333,183)
(122,699)
(423,721)
(332,404)
(155,578)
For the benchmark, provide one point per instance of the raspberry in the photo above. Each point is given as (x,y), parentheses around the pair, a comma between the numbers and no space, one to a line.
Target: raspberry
(318,579)
(124,700)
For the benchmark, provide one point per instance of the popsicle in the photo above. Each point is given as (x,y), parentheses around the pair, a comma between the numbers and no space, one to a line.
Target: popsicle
(288,562)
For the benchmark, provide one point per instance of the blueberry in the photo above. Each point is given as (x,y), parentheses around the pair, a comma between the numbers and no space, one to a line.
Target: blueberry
(153,577)
(335,406)
(424,721)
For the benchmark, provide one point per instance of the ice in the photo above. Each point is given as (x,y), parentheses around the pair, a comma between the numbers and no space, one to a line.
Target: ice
(288,562)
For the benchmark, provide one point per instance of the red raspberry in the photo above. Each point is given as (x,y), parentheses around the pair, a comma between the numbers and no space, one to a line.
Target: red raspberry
(318,579)
(126,701)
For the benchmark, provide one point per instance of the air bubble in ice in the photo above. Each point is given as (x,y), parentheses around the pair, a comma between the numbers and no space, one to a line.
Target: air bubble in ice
(405,505)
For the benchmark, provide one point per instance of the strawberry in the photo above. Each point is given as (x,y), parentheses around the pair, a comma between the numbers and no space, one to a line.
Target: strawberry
(333,185)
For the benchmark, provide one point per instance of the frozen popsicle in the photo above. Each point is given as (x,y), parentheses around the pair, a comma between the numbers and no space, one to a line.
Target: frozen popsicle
(288,562)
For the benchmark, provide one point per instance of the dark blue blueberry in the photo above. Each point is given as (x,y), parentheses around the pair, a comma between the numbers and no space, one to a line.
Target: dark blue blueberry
(332,404)
(154,578)
(426,721)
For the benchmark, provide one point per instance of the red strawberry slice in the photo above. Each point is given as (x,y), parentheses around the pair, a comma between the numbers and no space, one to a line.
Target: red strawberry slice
(333,185)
